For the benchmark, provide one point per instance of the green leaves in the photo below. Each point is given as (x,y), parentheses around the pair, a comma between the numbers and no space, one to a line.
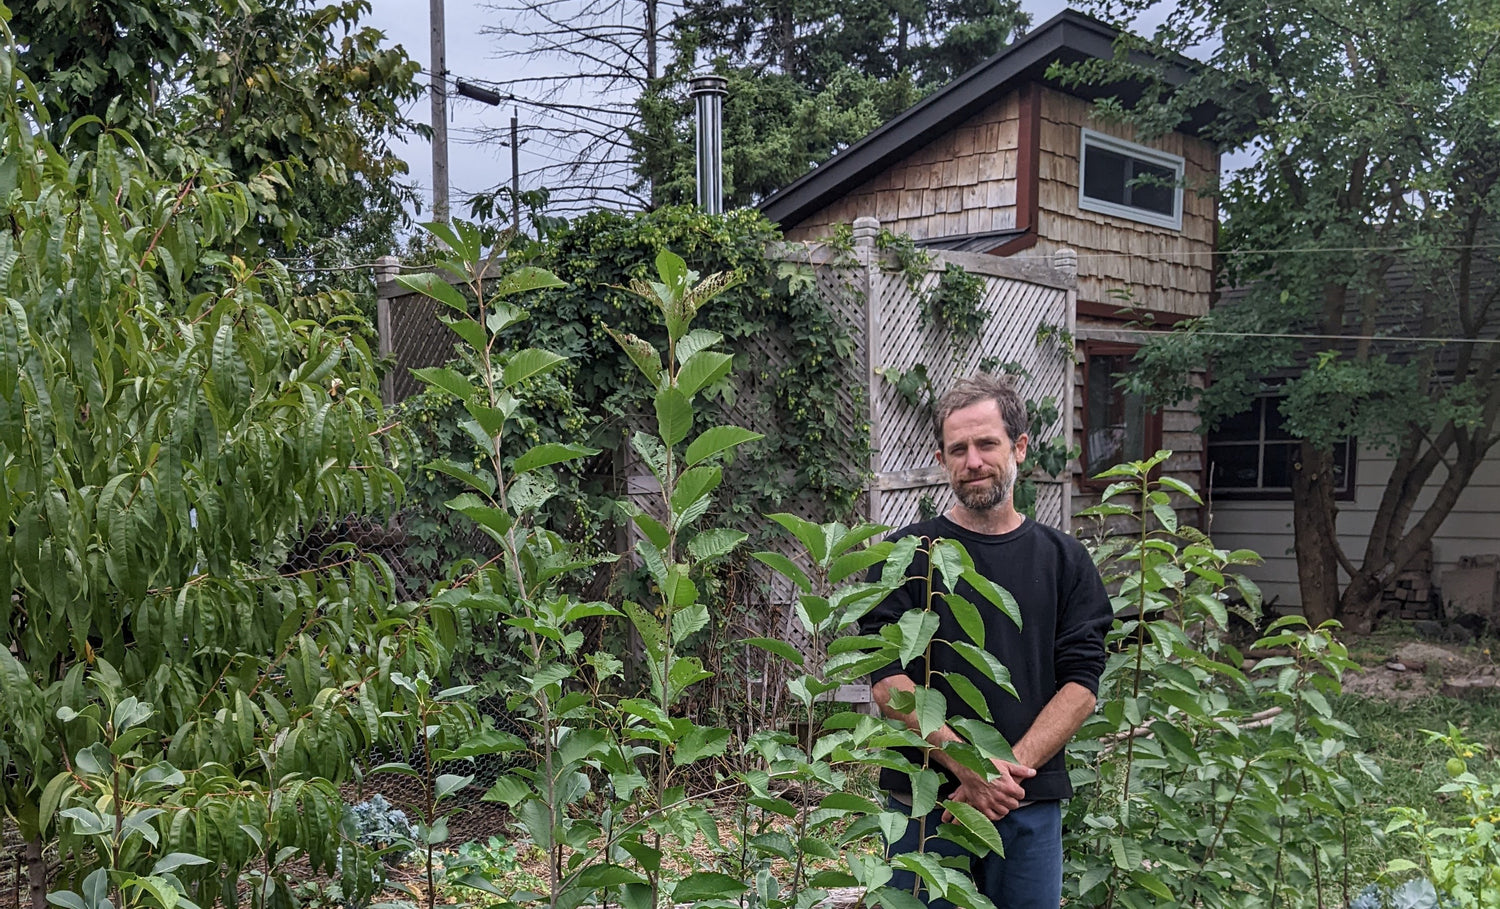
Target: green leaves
(430,285)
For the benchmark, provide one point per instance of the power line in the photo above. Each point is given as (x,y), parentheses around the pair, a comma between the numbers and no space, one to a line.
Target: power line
(1292,336)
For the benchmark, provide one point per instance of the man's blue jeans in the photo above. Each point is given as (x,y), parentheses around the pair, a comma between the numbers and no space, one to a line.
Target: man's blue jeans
(1028,877)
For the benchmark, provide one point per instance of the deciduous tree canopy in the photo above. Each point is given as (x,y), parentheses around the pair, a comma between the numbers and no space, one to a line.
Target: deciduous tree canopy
(1373,131)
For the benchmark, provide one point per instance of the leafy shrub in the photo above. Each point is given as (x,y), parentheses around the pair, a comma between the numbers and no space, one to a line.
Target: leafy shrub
(1200,782)
(1462,862)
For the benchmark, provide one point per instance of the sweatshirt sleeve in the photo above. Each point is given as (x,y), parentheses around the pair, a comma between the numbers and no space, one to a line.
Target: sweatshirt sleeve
(1085,615)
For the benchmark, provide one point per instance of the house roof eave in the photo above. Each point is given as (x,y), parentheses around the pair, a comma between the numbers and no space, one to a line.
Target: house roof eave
(1068,37)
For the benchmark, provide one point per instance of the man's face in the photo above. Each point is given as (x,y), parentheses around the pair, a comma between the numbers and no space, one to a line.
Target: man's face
(979,456)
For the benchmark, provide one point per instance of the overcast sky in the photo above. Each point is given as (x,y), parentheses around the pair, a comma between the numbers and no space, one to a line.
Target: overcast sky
(476,166)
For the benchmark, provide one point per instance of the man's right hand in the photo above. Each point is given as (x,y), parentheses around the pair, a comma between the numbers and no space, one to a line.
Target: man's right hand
(995,797)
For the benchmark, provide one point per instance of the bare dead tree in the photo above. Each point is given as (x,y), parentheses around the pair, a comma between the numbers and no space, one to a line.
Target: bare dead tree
(580,67)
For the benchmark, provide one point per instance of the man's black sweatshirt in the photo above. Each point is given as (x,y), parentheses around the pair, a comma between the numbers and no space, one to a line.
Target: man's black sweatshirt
(1064,614)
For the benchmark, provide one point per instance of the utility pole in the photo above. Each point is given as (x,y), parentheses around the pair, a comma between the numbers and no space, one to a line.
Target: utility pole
(515,171)
(439,70)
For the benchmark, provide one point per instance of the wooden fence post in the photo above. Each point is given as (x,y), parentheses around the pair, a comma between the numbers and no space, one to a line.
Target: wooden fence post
(866,231)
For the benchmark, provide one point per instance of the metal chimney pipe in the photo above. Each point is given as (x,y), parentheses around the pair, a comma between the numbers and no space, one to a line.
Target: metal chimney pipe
(707,92)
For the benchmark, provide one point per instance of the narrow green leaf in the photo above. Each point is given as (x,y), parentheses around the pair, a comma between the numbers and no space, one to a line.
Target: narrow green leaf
(674,415)
(786,567)
(970,694)
(967,615)
(780,648)
(974,821)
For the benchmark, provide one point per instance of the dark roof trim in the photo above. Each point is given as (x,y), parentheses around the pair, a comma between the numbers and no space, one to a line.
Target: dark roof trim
(1070,36)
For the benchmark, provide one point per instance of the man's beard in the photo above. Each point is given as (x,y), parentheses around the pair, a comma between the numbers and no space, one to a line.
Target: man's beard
(991,495)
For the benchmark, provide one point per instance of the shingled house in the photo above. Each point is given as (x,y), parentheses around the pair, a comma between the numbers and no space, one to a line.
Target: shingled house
(1008,162)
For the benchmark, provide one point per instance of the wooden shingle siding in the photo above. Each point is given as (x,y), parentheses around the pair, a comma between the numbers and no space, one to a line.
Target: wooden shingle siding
(964,181)
(1161,268)
(1266,527)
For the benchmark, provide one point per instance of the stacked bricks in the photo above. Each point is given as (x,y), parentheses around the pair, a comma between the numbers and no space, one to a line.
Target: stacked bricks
(1410,595)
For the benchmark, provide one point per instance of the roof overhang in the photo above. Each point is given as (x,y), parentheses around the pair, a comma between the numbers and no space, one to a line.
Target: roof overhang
(1068,37)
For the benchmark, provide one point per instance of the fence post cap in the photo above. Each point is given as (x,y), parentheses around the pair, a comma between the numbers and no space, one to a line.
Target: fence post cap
(865,231)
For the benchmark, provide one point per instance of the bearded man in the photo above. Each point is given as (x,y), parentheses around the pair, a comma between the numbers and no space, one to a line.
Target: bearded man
(1055,657)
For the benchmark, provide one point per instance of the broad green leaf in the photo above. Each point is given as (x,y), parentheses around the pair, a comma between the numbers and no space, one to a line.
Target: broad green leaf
(527,278)
(1178,486)
(851,563)
(430,285)
(924,790)
(601,876)
(696,340)
(481,482)
(503,316)
(508,789)
(984,737)
(695,483)
(550,453)
(702,370)
(717,439)
(1167,515)
(1151,883)
(707,885)
(974,821)
(641,353)
(713,544)
(931,710)
(700,743)
(530,362)
(451,381)
(674,415)
(966,690)
(174,860)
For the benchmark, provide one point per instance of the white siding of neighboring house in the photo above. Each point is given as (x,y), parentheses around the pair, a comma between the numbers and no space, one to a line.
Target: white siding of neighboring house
(1472,528)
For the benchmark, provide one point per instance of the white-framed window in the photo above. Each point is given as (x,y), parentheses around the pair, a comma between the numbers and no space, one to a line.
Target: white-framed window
(1132,181)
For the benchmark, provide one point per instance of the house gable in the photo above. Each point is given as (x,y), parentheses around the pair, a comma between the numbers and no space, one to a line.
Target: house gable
(991,164)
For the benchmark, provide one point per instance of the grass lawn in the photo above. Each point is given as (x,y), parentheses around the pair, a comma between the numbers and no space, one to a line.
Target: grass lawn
(1391,733)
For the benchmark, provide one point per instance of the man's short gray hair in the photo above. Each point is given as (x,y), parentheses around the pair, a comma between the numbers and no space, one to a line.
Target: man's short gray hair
(975,389)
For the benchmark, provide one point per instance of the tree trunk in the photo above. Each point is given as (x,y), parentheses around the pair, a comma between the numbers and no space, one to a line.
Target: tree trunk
(36,872)
(1314,517)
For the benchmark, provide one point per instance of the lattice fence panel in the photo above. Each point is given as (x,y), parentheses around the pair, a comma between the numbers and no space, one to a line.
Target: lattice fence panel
(909,337)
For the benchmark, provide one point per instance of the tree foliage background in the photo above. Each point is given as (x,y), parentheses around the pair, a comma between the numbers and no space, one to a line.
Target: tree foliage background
(294,91)
(1373,134)
(189,672)
(806,78)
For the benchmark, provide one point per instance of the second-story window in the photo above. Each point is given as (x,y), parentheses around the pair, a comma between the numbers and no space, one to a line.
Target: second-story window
(1132,181)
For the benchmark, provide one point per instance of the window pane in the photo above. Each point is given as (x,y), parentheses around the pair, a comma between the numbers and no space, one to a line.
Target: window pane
(1116,430)
(1234,466)
(1279,460)
(1242,427)
(1341,471)
(1275,422)
(1105,174)
(1153,187)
